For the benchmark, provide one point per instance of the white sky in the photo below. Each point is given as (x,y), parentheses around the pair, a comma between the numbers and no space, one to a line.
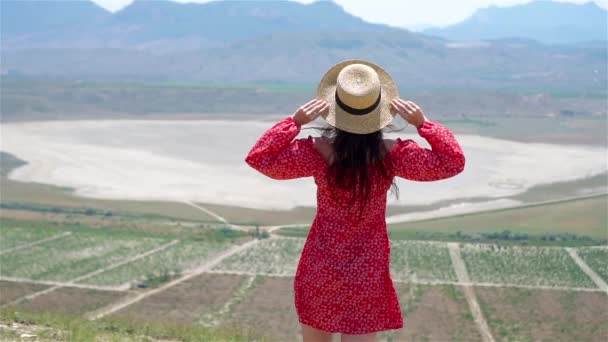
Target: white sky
(405,13)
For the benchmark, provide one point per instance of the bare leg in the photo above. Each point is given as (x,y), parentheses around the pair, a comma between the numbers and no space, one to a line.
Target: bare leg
(311,334)
(358,338)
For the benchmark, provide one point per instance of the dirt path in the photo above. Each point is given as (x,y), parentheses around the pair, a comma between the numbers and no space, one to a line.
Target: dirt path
(90,274)
(114,307)
(220,218)
(591,273)
(469,293)
(34,243)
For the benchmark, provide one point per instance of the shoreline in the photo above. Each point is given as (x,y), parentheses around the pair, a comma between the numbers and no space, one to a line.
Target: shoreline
(89,157)
(459,125)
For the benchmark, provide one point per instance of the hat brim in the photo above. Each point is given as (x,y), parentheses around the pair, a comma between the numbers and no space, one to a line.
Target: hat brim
(358,124)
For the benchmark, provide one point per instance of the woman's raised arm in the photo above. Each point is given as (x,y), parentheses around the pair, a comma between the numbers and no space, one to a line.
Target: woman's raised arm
(277,155)
(409,160)
(445,159)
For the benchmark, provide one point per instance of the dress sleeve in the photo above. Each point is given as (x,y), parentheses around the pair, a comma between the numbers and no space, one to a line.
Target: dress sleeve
(445,159)
(277,156)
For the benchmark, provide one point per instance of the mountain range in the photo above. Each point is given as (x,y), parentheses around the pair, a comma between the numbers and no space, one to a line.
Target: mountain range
(271,41)
(545,21)
(164,25)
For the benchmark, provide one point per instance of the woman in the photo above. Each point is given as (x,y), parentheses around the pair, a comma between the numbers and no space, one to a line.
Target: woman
(342,283)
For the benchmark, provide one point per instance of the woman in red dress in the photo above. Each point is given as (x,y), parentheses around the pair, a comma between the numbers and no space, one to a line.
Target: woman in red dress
(343,283)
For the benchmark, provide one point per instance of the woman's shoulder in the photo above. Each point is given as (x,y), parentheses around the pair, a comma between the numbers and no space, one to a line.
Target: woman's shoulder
(323,147)
(389,144)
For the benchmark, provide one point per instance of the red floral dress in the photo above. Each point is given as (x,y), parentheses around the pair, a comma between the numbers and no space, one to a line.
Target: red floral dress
(343,283)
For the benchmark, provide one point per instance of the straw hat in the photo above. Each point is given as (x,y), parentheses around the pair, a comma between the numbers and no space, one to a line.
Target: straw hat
(359,94)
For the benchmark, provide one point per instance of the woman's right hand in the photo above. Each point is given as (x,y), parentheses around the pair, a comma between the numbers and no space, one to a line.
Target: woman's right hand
(310,111)
(409,111)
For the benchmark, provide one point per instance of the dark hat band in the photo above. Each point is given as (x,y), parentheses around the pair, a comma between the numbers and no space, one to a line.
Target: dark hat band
(356,111)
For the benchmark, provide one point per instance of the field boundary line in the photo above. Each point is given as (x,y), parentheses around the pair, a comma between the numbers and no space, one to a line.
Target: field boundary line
(271,229)
(588,270)
(61,284)
(84,276)
(37,242)
(469,293)
(442,243)
(114,307)
(251,274)
(427,282)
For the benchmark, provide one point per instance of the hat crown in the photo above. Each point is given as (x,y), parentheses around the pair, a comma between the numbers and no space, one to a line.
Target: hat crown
(358,86)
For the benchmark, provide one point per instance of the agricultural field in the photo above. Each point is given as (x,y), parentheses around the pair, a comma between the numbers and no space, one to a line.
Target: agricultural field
(72,256)
(597,259)
(176,258)
(589,216)
(17,236)
(187,301)
(71,300)
(259,302)
(433,313)
(421,261)
(272,256)
(410,260)
(515,314)
(12,290)
(523,265)
(268,306)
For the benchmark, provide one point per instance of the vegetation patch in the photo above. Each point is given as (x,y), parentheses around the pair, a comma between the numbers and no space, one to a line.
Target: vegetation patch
(72,256)
(421,261)
(541,266)
(597,259)
(160,266)
(270,256)
(515,314)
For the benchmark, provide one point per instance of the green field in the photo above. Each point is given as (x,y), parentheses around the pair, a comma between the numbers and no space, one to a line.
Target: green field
(16,236)
(568,223)
(266,307)
(585,217)
(272,256)
(421,261)
(533,266)
(597,259)
(72,256)
(174,260)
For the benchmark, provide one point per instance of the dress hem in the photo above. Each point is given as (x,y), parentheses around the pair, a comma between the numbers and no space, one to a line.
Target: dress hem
(346,331)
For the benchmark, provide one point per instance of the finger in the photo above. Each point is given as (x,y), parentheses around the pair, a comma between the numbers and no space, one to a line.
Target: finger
(404,104)
(413,105)
(319,111)
(304,107)
(317,107)
(410,107)
(310,104)
(324,109)
(401,107)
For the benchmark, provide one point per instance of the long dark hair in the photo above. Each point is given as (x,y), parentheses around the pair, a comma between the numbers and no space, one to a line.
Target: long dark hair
(352,155)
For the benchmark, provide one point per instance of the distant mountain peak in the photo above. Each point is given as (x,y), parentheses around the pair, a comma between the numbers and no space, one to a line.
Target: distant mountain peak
(546,21)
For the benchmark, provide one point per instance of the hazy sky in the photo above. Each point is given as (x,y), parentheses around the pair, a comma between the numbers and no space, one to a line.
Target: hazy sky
(398,12)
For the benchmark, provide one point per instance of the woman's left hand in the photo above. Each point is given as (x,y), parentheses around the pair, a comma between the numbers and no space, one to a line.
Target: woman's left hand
(310,111)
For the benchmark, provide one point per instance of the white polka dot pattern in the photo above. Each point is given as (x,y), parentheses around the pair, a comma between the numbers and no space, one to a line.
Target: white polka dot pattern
(343,283)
